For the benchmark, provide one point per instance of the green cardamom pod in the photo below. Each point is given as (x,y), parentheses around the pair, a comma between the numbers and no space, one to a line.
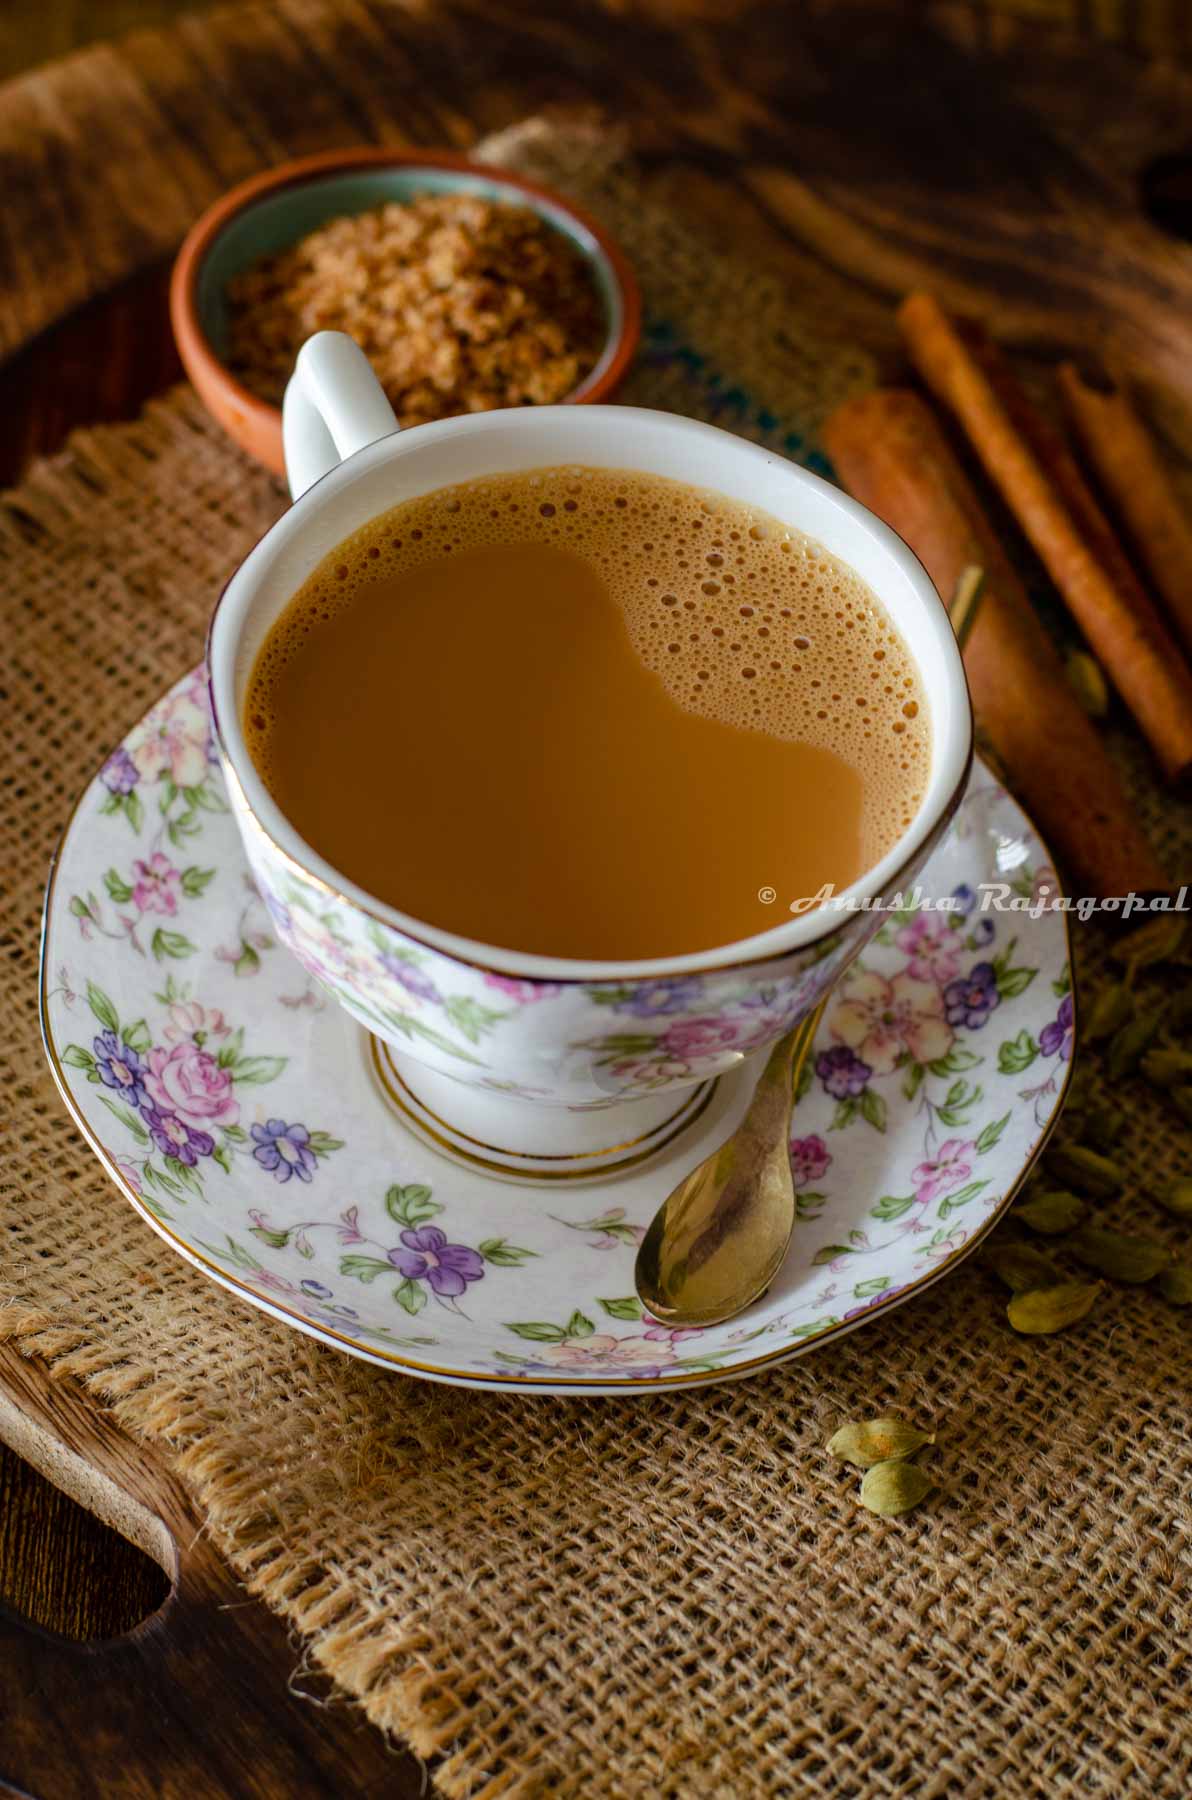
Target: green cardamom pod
(1104,1128)
(1176,1199)
(1076,1166)
(1175,1284)
(1128,1046)
(1113,1008)
(1051,1213)
(1167,1068)
(1044,1310)
(1158,941)
(1022,1268)
(1181,1099)
(877,1440)
(1087,681)
(890,1488)
(1118,1255)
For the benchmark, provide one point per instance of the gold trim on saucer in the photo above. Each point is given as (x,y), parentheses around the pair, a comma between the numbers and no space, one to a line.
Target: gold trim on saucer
(387,1075)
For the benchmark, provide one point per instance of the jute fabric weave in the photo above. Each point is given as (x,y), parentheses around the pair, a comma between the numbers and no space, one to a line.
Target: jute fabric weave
(670,1596)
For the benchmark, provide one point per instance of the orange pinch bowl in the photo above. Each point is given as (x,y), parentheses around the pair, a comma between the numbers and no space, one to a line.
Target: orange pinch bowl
(274,210)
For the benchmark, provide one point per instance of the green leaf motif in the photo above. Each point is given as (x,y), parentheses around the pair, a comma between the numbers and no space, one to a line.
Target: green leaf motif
(629,1309)
(579,1326)
(75,1057)
(79,907)
(183,1173)
(844,1115)
(323,1144)
(250,1069)
(248,962)
(912,1081)
(118,888)
(1063,982)
(127,1118)
(877,1284)
(504,1255)
(805,1077)
(137,1036)
(223,1156)
(873,1109)
(892,1206)
(1014,982)
(102,1007)
(194,880)
(410,1296)
(112,803)
(470,1018)
(134,812)
(955,1062)
(808,1204)
(230,1052)
(961,1198)
(829,1253)
(276,1240)
(992,1133)
(236,1134)
(172,944)
(411,1206)
(538,1332)
(1017,1054)
(363,1268)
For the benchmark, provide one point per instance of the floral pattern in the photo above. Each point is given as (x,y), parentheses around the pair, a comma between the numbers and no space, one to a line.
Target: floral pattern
(213,1079)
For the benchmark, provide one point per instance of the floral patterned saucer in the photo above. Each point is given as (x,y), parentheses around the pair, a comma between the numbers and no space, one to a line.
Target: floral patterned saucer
(241,1112)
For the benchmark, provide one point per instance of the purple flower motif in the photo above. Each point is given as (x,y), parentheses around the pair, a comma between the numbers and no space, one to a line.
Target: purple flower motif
(409,975)
(969,1000)
(120,773)
(983,932)
(1056,1039)
(174,1137)
(842,1073)
(655,999)
(284,1150)
(427,1256)
(119,1067)
(279,912)
(965,899)
(316,1290)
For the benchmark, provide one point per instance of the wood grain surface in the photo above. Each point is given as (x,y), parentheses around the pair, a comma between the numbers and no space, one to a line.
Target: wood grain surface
(999,158)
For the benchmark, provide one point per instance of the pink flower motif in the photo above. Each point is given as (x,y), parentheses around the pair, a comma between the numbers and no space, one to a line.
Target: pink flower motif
(129,1173)
(935,949)
(157,885)
(688,1039)
(523,992)
(187,1018)
(810,1157)
(668,1334)
(267,1279)
(948,1170)
(602,1350)
(880,1019)
(348,1230)
(641,1071)
(173,741)
(189,1082)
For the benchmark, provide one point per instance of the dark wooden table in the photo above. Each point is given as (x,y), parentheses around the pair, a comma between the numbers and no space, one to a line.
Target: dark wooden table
(745,120)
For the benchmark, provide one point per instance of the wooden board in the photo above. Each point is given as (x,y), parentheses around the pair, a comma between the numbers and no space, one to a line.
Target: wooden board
(203,1698)
(884,145)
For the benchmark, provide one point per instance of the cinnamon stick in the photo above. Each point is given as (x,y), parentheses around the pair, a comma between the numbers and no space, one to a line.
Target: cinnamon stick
(892,454)
(1126,462)
(1056,509)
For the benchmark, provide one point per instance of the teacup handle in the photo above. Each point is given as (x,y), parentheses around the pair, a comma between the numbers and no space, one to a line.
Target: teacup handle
(334,405)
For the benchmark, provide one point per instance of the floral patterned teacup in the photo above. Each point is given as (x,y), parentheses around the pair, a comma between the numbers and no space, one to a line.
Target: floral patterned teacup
(530,1062)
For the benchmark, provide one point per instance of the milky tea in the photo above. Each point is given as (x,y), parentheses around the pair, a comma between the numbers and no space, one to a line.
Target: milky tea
(589,713)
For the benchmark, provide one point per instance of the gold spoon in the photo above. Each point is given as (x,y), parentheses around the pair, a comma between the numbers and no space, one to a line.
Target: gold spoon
(716,1243)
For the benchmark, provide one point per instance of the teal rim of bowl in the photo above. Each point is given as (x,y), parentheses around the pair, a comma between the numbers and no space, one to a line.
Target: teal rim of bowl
(280,219)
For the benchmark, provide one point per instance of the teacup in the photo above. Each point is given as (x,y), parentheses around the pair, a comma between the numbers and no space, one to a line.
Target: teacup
(528,1063)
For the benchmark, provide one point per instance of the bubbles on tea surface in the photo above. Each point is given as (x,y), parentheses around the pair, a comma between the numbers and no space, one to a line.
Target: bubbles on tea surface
(777,634)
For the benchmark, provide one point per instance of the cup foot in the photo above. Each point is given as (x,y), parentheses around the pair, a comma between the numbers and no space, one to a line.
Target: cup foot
(521,1140)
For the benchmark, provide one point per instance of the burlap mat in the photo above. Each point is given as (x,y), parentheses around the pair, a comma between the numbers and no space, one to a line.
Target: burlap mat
(675,1595)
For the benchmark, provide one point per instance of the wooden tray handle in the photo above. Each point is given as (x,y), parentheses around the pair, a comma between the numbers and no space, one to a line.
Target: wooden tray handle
(196,1700)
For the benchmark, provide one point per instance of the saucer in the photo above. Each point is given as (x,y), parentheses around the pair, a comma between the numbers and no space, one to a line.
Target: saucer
(252,1123)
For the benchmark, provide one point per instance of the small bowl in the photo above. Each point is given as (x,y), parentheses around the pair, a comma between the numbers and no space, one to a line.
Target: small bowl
(273,210)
